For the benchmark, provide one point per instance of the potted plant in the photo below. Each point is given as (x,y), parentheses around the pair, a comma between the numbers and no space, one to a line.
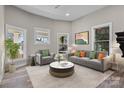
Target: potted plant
(62,39)
(59,57)
(12,50)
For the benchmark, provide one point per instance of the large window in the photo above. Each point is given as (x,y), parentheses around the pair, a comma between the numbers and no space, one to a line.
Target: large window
(18,35)
(102,37)
(42,36)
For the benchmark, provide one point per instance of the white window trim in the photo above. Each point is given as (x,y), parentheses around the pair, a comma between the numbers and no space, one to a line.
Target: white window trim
(110,35)
(25,41)
(58,42)
(42,30)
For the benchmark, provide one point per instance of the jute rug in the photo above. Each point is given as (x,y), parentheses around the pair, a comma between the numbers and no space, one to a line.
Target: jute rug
(82,78)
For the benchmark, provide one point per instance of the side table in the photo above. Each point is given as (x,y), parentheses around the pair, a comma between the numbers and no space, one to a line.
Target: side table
(115,64)
(32,60)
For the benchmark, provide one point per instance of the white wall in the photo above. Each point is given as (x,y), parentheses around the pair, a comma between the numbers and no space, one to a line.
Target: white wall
(20,18)
(1,42)
(112,14)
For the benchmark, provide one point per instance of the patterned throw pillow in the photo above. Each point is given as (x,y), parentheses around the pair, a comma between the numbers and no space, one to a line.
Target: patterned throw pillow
(92,55)
(82,53)
(45,53)
(101,56)
(77,53)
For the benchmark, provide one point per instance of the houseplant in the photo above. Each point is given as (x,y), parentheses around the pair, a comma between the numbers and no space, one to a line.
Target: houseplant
(59,57)
(12,50)
(62,39)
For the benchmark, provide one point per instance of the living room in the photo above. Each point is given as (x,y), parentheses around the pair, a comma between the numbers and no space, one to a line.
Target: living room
(70,38)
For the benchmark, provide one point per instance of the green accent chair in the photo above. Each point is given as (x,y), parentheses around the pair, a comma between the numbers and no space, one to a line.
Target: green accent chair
(44,57)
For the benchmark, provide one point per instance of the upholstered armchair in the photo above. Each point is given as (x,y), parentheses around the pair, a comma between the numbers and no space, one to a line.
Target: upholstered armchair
(43,57)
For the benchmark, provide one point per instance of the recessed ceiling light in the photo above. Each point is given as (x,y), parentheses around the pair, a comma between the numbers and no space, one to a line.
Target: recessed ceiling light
(67,14)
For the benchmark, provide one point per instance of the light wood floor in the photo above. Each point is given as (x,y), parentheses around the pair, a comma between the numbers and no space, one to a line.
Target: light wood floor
(20,79)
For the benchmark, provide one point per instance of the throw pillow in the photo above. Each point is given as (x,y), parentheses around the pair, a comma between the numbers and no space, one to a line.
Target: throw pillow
(82,53)
(77,53)
(92,55)
(101,56)
(45,53)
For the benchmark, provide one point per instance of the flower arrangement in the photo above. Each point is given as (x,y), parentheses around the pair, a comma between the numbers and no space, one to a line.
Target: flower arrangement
(59,57)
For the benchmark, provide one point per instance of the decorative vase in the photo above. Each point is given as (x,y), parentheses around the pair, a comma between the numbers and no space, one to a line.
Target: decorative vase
(12,68)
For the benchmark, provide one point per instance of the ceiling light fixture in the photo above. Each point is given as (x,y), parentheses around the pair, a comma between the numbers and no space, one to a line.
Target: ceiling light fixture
(67,14)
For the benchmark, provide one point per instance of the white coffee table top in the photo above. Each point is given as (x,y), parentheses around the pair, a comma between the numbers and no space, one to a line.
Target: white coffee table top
(62,64)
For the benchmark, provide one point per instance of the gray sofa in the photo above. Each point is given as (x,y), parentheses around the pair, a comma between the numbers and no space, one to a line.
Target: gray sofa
(43,60)
(91,63)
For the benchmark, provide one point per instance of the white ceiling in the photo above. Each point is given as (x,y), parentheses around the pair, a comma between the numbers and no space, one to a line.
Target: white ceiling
(58,11)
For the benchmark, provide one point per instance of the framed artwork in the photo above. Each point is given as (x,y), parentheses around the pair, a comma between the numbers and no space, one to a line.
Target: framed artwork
(82,38)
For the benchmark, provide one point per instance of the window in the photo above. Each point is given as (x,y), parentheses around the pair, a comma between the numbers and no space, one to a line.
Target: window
(42,36)
(102,37)
(18,35)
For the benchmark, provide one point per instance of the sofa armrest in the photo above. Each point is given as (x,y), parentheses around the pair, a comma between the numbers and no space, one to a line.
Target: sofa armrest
(38,58)
(107,59)
(106,62)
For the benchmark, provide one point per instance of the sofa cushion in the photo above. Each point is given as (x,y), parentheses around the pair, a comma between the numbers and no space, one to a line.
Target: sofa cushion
(77,53)
(104,52)
(85,58)
(87,53)
(95,60)
(82,53)
(100,56)
(46,57)
(95,64)
(78,60)
(92,55)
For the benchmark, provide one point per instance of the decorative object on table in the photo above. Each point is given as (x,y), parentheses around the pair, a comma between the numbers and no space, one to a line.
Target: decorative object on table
(62,42)
(72,49)
(59,57)
(120,40)
(12,50)
(82,38)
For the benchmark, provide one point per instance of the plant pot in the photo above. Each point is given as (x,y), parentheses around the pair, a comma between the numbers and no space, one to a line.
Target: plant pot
(12,68)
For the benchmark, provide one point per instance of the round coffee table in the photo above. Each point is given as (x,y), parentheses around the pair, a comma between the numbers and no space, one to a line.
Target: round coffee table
(61,69)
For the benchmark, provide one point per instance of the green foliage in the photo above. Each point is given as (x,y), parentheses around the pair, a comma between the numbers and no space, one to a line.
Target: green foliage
(62,39)
(33,62)
(12,49)
(80,42)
